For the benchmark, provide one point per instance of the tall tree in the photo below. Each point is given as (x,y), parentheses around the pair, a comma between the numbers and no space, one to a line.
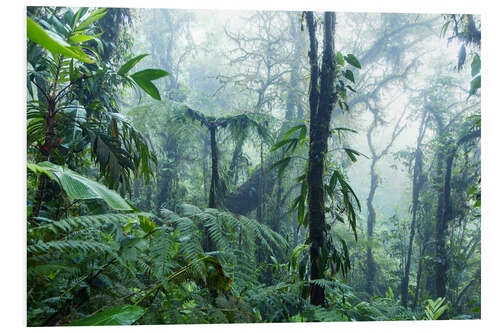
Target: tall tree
(321,103)
(374,182)
(417,183)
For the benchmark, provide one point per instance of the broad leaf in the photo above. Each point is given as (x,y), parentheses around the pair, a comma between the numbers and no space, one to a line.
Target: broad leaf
(475,85)
(352,60)
(349,75)
(149,74)
(339,58)
(148,87)
(130,64)
(118,315)
(75,39)
(77,186)
(475,65)
(38,35)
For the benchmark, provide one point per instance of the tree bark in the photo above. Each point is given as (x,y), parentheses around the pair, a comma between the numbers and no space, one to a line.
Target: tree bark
(417,171)
(416,187)
(370,224)
(215,174)
(321,104)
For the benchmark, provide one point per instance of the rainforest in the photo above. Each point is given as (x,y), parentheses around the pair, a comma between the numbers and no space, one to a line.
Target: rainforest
(215,166)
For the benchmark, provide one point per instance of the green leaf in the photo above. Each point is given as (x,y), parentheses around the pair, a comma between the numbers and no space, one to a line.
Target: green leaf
(98,14)
(149,74)
(352,60)
(148,87)
(343,129)
(475,65)
(118,315)
(339,58)
(281,143)
(283,163)
(75,39)
(353,153)
(78,187)
(475,85)
(38,35)
(130,64)
(293,129)
(349,75)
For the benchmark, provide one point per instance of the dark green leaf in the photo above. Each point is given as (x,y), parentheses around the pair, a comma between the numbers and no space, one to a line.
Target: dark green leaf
(352,60)
(118,315)
(125,68)
(349,75)
(283,163)
(149,74)
(148,87)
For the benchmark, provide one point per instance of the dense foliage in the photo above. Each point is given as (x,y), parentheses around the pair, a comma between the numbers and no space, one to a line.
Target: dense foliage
(232,189)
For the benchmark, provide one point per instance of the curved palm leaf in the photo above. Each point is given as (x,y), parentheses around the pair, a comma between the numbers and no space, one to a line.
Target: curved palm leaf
(77,186)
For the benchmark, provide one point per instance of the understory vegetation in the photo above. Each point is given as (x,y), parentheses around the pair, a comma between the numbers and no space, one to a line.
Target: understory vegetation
(281,167)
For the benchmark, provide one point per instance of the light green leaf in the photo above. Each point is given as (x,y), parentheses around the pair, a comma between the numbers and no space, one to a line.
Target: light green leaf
(75,39)
(118,315)
(79,187)
(98,14)
(475,65)
(475,85)
(38,35)
(339,58)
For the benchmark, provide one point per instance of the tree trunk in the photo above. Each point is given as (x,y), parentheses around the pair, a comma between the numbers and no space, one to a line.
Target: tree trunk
(208,244)
(321,108)
(214,182)
(370,224)
(417,171)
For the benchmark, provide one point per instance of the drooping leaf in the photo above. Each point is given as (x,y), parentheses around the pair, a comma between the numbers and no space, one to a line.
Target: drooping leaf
(118,315)
(283,163)
(349,75)
(353,153)
(475,66)
(293,129)
(125,68)
(148,87)
(352,60)
(475,84)
(38,35)
(77,186)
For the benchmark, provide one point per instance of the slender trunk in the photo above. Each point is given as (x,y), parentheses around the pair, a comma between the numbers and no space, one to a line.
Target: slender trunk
(215,175)
(370,224)
(419,275)
(233,168)
(205,167)
(214,186)
(417,171)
